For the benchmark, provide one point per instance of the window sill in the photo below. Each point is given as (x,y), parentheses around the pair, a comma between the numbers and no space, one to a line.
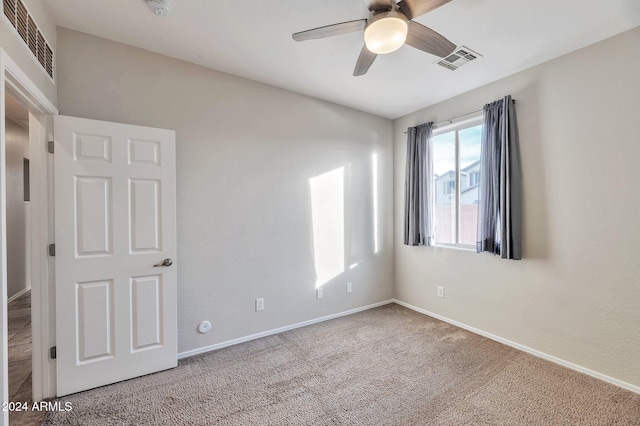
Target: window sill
(456,247)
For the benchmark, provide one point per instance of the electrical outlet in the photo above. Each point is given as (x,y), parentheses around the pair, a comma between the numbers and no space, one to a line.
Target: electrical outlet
(440,291)
(260,304)
(349,287)
(319,293)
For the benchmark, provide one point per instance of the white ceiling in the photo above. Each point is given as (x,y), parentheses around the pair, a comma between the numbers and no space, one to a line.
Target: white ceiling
(252,39)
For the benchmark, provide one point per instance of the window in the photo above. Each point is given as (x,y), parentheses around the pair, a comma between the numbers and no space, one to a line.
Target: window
(456,174)
(449,187)
(474,178)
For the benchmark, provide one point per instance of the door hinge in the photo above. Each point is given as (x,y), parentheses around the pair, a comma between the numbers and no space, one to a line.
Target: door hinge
(50,147)
(52,250)
(52,352)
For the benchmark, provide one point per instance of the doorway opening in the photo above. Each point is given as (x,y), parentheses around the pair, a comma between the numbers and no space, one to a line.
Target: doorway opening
(16,84)
(19,281)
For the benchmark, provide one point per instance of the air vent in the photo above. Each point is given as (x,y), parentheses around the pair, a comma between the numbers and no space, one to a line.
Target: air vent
(27,28)
(21,21)
(33,36)
(461,56)
(9,7)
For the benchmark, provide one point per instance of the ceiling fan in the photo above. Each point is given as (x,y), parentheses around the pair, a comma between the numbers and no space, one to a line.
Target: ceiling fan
(389,26)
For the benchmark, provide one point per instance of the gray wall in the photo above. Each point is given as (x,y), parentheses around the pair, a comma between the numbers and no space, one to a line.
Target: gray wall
(246,153)
(17,138)
(576,294)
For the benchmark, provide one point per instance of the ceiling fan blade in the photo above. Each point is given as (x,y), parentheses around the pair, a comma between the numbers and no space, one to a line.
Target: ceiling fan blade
(331,30)
(374,5)
(415,8)
(365,60)
(427,40)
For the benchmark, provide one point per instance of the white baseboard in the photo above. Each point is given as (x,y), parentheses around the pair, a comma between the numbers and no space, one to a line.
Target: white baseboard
(278,330)
(18,294)
(526,349)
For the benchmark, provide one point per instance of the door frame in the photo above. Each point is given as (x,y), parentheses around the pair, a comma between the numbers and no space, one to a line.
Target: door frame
(16,82)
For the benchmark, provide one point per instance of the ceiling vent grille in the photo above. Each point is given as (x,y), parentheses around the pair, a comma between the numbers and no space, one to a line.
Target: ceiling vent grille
(24,24)
(461,56)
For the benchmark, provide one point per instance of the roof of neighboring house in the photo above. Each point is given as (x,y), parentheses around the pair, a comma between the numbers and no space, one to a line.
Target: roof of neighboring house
(471,165)
(464,169)
(450,172)
(469,188)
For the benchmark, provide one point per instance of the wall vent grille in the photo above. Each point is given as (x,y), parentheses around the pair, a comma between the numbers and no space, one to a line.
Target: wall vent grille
(24,24)
(462,55)
(9,8)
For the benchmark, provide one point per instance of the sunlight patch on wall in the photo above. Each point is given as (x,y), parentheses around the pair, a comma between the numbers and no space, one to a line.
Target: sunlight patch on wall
(374,172)
(327,210)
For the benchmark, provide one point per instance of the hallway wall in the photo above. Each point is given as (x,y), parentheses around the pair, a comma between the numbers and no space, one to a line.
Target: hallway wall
(17,141)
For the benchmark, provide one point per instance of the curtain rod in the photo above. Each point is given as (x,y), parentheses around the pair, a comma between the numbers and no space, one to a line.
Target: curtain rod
(455,118)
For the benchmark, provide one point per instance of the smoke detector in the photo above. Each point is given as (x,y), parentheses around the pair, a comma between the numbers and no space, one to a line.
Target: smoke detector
(159,7)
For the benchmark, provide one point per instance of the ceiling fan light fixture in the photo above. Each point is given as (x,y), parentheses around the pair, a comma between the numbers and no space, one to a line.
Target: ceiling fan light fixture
(386,33)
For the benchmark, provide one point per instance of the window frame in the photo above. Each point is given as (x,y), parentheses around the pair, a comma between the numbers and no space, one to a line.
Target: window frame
(470,120)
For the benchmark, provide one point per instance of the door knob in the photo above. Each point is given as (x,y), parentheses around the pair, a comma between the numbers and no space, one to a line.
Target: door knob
(166,262)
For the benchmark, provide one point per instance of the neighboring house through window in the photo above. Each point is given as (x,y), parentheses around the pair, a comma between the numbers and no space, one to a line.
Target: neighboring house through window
(456,174)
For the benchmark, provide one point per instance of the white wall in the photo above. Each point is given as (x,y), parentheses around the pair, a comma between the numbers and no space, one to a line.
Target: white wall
(17,138)
(576,293)
(246,153)
(11,43)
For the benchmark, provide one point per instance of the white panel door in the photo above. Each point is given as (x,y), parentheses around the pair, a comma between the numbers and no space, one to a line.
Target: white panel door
(115,225)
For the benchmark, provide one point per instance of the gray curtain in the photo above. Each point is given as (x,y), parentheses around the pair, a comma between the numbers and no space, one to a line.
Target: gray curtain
(500,204)
(418,187)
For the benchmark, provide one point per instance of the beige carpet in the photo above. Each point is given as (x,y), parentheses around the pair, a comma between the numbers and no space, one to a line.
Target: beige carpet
(385,366)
